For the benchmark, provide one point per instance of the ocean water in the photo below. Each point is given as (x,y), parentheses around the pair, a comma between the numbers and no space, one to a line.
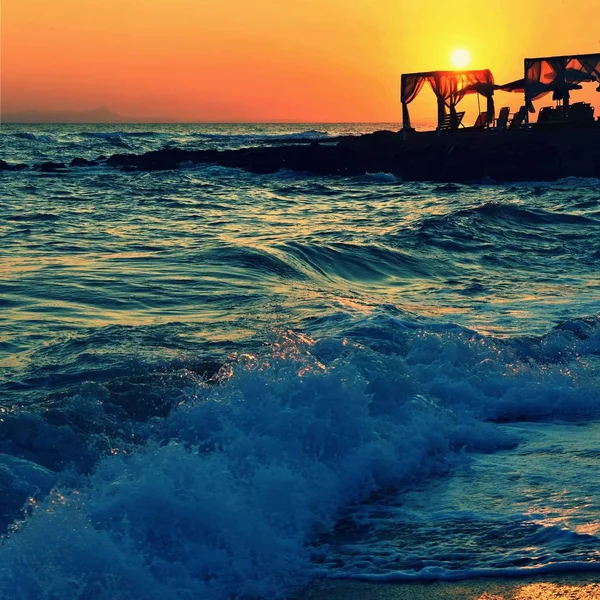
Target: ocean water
(221,385)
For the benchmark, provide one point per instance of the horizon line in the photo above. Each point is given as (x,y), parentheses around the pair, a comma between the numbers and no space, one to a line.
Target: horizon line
(291,122)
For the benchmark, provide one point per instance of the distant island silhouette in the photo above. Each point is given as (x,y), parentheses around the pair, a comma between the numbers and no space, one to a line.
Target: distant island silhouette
(98,115)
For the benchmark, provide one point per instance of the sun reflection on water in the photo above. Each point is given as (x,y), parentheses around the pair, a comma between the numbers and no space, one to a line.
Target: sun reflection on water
(545,591)
(554,591)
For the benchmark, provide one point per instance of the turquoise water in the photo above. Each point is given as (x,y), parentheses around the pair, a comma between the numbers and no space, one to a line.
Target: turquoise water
(216,384)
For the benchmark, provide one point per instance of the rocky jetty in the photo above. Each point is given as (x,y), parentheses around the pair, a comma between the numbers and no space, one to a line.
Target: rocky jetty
(465,155)
(462,156)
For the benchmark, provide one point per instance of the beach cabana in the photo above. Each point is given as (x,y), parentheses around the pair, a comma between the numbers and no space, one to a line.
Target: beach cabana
(450,87)
(559,75)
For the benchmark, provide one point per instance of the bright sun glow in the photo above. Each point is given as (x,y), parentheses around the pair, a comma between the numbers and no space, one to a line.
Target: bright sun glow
(461,58)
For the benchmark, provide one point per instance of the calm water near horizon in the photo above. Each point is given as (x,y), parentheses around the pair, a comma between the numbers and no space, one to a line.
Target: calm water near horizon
(215,384)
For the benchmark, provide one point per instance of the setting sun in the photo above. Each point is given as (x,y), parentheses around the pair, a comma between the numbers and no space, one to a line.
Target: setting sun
(461,58)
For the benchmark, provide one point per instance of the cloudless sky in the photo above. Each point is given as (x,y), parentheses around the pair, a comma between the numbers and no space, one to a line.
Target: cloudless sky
(269,60)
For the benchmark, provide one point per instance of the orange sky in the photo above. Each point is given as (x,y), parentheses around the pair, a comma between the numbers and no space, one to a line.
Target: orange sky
(268,60)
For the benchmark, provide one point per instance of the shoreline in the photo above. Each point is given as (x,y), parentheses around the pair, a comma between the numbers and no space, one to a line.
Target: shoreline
(575,586)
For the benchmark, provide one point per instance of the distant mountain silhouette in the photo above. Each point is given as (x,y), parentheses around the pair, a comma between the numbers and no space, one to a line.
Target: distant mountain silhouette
(96,115)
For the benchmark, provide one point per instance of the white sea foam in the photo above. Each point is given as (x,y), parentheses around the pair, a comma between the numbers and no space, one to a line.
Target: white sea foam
(47,138)
(229,489)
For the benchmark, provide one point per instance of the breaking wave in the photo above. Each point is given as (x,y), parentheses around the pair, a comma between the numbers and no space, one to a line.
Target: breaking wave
(223,494)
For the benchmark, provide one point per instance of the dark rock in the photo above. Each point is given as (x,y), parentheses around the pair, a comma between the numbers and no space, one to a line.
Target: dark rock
(4,166)
(101,158)
(50,167)
(82,162)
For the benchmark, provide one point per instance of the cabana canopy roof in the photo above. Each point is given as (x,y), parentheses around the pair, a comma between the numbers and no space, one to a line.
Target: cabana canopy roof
(518,86)
(559,75)
(450,87)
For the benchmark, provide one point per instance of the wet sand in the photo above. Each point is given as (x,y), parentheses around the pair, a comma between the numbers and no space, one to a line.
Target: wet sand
(553,587)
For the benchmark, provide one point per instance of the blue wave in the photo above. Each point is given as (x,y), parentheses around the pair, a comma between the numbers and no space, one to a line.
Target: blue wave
(37,137)
(357,262)
(34,217)
(219,491)
(519,214)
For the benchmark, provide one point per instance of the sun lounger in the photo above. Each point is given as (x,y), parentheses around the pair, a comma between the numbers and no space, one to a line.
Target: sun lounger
(451,124)
(545,115)
(579,114)
(518,119)
(481,120)
(502,120)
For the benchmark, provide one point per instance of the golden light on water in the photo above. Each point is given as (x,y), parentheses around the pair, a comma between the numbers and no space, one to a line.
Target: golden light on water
(554,591)
(545,591)
(461,58)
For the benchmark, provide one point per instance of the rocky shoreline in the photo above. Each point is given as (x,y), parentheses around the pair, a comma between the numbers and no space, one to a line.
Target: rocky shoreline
(462,156)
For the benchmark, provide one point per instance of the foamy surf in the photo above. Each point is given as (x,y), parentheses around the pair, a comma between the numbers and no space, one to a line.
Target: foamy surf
(228,494)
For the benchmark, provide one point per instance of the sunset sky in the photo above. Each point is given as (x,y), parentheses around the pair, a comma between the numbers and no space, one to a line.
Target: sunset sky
(268,60)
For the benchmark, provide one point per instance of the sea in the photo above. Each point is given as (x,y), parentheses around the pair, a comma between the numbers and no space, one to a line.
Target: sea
(219,385)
